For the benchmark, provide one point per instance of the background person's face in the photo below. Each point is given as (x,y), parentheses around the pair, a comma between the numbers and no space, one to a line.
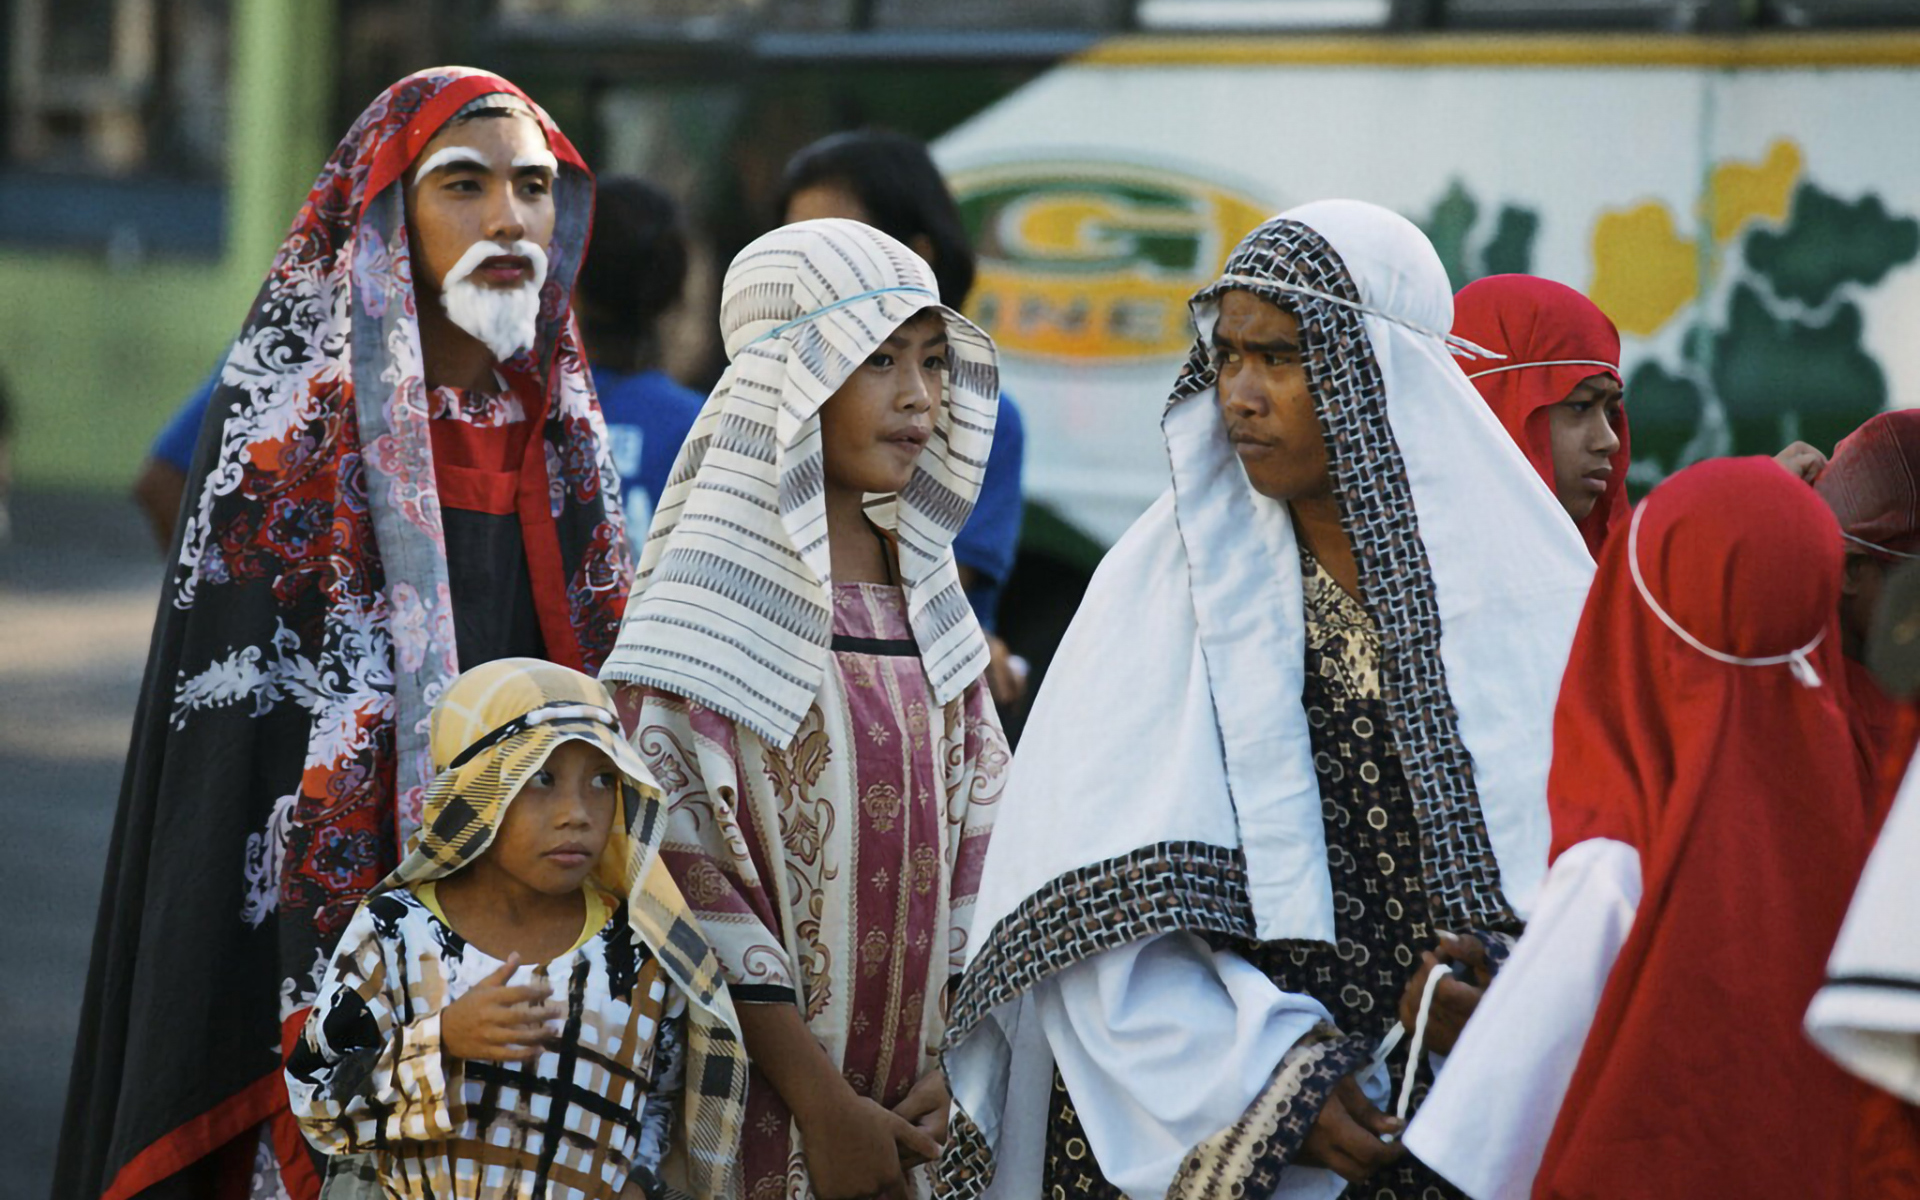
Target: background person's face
(875,427)
(835,200)
(1860,586)
(1584,438)
(460,203)
(1264,399)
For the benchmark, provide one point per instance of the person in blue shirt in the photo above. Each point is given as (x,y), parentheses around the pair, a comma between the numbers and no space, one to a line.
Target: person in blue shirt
(175,443)
(162,482)
(889,181)
(635,269)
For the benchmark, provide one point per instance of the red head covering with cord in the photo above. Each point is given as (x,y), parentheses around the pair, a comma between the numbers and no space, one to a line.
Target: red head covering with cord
(1872,484)
(1553,338)
(1737,783)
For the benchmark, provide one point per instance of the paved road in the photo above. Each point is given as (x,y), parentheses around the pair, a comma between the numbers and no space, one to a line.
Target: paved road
(78,585)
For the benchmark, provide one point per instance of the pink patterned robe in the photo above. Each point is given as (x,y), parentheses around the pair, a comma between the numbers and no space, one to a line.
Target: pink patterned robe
(837,873)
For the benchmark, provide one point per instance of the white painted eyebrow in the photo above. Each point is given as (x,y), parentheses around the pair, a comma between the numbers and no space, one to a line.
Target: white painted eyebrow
(539,158)
(447,156)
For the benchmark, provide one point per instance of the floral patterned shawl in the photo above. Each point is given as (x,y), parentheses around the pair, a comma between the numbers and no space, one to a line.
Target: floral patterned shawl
(280,751)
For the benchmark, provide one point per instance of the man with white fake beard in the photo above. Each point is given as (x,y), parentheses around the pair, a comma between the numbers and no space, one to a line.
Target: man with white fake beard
(500,311)
(402,474)
(479,216)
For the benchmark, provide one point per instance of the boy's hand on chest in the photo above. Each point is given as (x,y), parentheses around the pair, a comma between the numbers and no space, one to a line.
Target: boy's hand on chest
(498,1022)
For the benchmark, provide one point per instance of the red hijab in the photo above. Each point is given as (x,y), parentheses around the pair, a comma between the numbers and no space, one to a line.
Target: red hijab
(1873,486)
(1553,338)
(1739,787)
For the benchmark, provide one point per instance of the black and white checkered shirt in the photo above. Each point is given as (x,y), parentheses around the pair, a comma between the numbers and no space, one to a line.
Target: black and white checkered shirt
(369,1075)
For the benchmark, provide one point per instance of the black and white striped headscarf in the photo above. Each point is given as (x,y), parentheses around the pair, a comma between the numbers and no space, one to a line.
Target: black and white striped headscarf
(733,604)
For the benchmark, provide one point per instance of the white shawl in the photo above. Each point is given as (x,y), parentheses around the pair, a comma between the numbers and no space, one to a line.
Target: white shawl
(1868,1014)
(1165,779)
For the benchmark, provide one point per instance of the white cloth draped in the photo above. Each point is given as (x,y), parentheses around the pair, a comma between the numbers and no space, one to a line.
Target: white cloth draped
(1127,1026)
(1172,711)
(1486,1123)
(1182,672)
(1868,1014)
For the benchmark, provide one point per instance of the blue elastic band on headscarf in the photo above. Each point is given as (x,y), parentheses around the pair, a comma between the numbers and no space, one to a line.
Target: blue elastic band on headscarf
(803,318)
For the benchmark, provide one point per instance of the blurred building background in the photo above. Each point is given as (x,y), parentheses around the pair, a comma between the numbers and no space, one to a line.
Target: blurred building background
(155,150)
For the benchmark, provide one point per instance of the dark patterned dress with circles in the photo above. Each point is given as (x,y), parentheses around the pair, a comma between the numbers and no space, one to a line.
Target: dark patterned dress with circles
(1380,908)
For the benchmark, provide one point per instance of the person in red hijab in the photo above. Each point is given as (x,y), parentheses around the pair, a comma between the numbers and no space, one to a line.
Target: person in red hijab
(1872,485)
(1709,819)
(1558,391)
(402,474)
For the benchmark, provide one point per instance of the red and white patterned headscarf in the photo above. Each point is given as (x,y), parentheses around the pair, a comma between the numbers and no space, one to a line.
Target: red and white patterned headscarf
(280,753)
(324,418)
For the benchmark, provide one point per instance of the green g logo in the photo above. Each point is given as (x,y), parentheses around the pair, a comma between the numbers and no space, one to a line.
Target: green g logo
(1095,260)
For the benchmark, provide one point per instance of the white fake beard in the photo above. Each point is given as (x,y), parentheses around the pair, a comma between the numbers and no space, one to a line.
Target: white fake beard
(506,321)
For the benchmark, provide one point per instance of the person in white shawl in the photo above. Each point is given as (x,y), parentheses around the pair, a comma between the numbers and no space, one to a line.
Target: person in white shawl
(1300,726)
(1868,1014)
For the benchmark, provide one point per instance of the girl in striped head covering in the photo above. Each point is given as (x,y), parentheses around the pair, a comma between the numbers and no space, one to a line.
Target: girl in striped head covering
(805,677)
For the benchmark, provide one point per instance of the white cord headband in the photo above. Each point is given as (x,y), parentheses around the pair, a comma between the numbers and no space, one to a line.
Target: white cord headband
(824,309)
(1458,346)
(559,710)
(1796,660)
(1555,362)
(1876,547)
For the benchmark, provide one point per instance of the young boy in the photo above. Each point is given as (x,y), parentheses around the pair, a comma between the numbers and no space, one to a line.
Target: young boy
(514,1011)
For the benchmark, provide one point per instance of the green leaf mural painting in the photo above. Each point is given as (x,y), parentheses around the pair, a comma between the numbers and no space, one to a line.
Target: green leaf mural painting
(1505,249)
(1775,352)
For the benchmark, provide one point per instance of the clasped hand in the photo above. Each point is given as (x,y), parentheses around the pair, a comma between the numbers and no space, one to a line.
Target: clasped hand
(1454,999)
(493,1022)
(1350,1136)
(855,1148)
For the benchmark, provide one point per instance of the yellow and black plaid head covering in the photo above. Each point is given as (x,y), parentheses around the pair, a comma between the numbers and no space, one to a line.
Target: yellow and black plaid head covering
(491,730)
